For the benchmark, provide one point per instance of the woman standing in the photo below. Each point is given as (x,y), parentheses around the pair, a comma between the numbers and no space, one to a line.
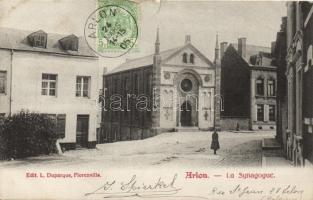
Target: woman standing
(215,145)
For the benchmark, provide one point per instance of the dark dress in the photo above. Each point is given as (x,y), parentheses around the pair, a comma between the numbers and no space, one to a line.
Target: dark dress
(215,144)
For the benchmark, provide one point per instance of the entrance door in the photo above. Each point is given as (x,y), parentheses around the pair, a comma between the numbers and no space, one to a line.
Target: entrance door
(185,114)
(82,130)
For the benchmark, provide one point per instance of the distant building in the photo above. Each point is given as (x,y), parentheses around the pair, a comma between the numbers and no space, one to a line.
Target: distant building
(53,74)
(248,87)
(176,90)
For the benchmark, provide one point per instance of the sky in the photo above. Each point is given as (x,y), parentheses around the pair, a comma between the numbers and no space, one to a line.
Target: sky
(258,21)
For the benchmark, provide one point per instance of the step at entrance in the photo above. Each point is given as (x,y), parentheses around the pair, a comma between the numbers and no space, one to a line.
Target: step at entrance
(187,129)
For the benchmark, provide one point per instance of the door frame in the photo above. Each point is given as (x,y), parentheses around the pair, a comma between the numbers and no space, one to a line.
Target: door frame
(83,116)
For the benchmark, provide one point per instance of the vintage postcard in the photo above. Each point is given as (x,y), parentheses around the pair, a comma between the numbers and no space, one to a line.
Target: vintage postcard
(156,99)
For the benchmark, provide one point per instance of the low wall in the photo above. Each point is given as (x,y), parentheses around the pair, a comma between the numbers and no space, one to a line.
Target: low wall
(112,132)
(231,123)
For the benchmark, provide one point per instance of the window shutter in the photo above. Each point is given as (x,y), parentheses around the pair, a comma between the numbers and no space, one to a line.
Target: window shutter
(61,125)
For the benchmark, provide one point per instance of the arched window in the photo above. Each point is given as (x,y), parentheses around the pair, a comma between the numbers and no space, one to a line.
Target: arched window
(192,58)
(185,58)
(260,86)
(271,87)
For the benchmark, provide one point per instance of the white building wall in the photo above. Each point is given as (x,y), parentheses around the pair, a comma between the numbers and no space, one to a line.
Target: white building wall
(26,88)
(168,107)
(206,103)
(5,65)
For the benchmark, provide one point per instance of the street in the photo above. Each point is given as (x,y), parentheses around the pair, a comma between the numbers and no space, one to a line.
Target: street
(175,149)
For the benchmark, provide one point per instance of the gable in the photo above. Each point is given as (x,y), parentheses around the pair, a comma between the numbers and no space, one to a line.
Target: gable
(188,56)
(232,59)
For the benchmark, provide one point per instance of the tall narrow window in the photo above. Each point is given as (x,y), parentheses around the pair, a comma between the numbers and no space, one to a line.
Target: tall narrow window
(149,91)
(126,93)
(271,113)
(49,84)
(260,86)
(82,86)
(136,92)
(185,58)
(126,85)
(260,112)
(136,83)
(271,87)
(192,57)
(3,80)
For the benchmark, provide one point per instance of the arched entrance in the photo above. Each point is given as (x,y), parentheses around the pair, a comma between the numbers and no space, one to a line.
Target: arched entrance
(185,114)
(187,82)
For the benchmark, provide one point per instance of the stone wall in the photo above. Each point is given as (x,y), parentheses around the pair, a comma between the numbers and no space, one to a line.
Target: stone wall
(230,123)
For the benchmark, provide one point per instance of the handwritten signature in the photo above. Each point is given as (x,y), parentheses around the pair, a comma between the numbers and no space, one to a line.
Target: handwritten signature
(133,187)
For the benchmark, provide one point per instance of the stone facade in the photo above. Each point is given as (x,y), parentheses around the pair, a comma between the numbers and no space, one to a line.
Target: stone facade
(298,136)
(179,85)
(266,100)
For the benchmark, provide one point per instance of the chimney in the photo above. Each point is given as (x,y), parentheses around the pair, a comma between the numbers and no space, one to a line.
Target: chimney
(223,48)
(283,25)
(187,39)
(242,48)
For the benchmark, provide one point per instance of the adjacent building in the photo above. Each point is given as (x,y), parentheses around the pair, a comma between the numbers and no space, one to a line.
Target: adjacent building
(279,60)
(53,74)
(296,133)
(169,90)
(248,87)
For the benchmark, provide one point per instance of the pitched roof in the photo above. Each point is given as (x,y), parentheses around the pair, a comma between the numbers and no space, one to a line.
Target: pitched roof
(17,40)
(252,50)
(142,61)
(148,60)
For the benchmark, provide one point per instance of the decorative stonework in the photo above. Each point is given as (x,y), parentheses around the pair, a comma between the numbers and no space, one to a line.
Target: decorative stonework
(208,78)
(167,75)
(186,85)
(168,113)
(168,104)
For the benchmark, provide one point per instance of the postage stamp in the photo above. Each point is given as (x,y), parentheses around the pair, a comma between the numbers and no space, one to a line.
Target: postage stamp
(112,29)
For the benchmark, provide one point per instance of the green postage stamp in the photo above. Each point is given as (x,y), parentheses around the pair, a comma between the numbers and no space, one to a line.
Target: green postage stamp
(112,29)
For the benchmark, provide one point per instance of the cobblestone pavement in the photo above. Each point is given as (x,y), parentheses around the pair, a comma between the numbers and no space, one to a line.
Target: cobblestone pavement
(176,149)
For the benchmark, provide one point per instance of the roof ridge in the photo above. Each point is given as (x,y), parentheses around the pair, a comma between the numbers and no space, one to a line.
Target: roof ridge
(133,59)
(12,38)
(33,31)
(142,61)
(251,45)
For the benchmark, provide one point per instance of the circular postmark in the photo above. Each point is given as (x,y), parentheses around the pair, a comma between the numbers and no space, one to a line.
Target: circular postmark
(111,31)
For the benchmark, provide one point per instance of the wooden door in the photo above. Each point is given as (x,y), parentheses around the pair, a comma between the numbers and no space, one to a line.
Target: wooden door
(82,130)
(185,114)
